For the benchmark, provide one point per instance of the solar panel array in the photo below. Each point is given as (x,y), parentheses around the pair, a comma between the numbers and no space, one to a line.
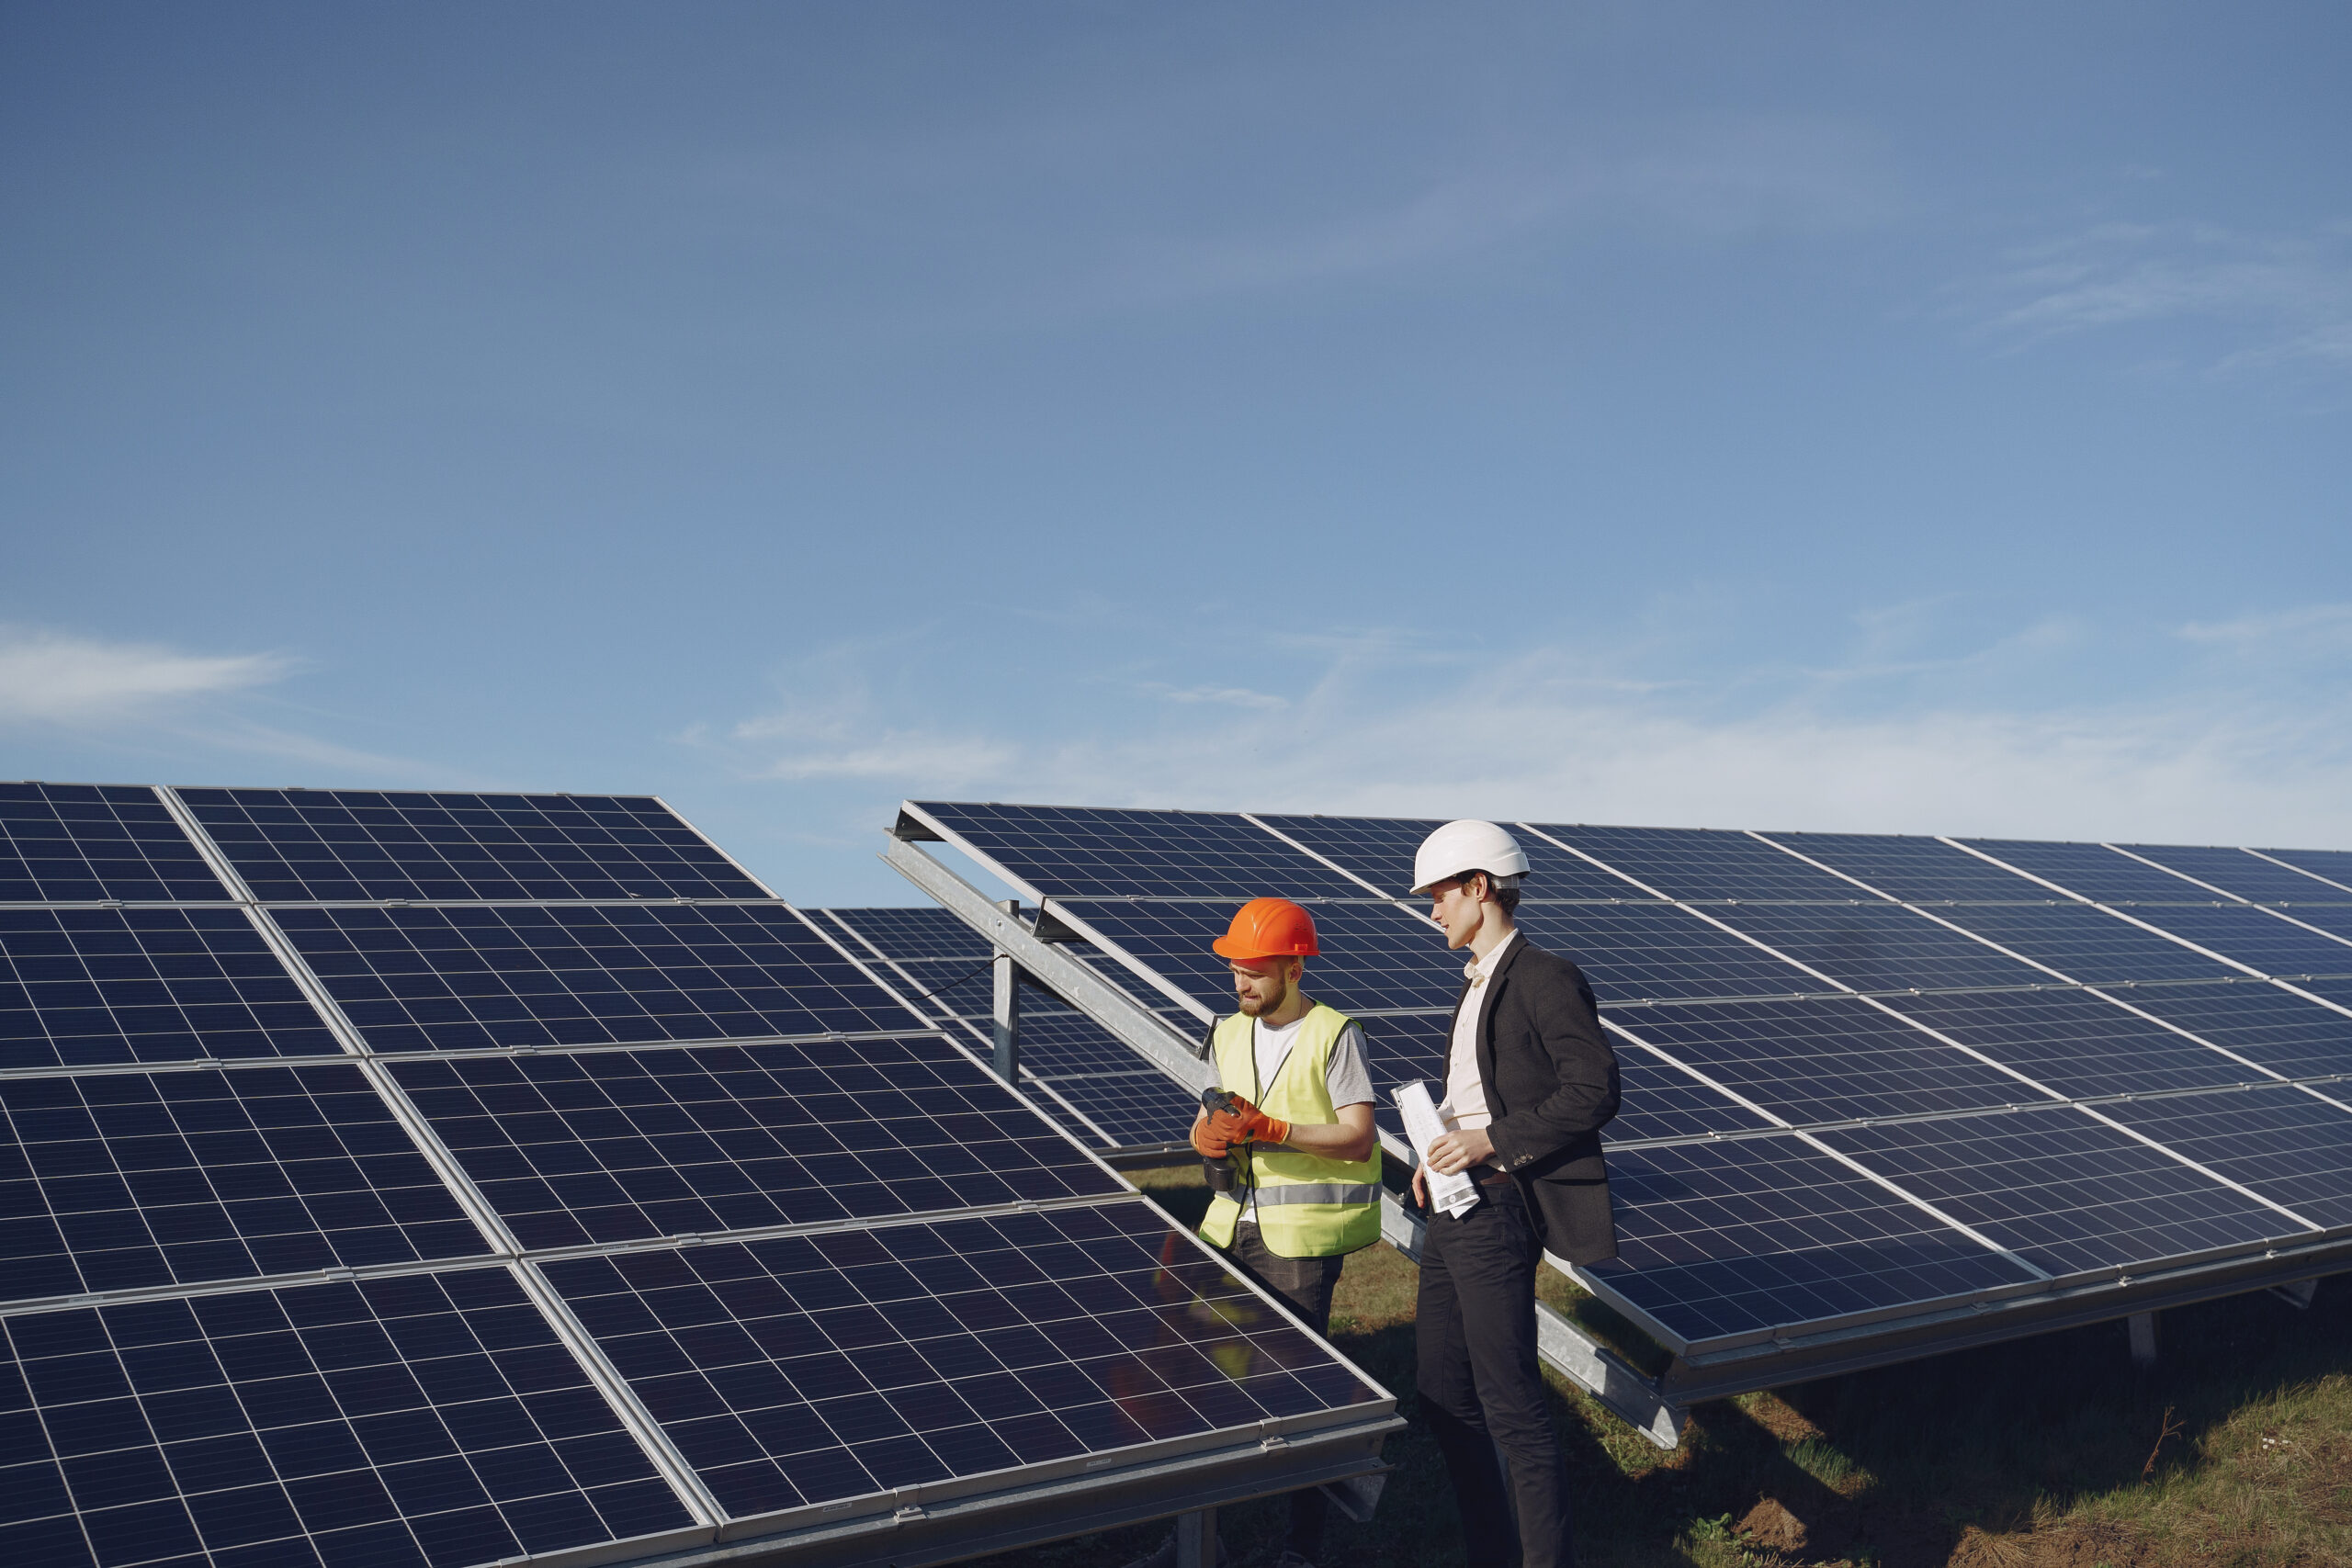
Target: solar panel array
(1078,1072)
(1867,1078)
(404,1179)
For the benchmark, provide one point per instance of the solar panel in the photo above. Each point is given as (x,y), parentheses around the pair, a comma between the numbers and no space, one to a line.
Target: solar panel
(2068,1193)
(2258,938)
(2090,871)
(1085,1076)
(82,844)
(622,1145)
(1702,863)
(1634,953)
(435,1418)
(2086,943)
(1660,1100)
(1122,1103)
(1053,850)
(1877,947)
(122,1180)
(2082,1043)
(312,844)
(2270,1026)
(1721,1241)
(2290,1146)
(2335,920)
(471,977)
(2334,865)
(1829,1059)
(1380,849)
(279,1182)
(86,987)
(2242,873)
(796,1371)
(1915,870)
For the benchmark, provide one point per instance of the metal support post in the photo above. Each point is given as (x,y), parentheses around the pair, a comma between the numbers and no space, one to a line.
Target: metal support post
(1007,1013)
(2143,1327)
(1196,1540)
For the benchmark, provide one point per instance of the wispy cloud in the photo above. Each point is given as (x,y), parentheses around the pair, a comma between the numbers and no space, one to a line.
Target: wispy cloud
(52,677)
(2282,297)
(2208,760)
(1222,696)
(1704,179)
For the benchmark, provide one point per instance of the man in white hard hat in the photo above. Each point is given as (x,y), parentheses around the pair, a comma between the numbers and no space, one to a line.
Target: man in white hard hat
(1529,1082)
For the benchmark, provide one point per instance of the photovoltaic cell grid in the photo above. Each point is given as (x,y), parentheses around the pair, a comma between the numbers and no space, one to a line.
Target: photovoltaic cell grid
(2334,865)
(125,1180)
(1082,1066)
(610,1146)
(2242,873)
(1718,1240)
(88,988)
(2081,1043)
(456,978)
(82,844)
(433,1419)
(2091,871)
(798,1369)
(1380,849)
(2066,1192)
(1702,863)
(317,844)
(1077,852)
(1879,947)
(1827,1060)
(2256,938)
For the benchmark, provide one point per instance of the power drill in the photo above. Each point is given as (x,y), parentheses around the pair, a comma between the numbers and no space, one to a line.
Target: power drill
(1223,1175)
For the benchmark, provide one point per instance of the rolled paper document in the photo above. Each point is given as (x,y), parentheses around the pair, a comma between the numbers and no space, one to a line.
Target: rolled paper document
(1448,1194)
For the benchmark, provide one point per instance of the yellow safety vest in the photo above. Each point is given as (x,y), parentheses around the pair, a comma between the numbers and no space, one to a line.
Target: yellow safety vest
(1305,1206)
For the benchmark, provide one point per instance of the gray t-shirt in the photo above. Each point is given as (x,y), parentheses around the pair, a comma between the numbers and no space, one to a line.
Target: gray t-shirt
(1345,1075)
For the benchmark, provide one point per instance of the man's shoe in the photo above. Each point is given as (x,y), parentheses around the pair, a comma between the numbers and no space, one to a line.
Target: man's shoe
(1166,1556)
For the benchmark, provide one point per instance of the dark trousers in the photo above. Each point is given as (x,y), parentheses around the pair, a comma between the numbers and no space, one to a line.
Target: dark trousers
(1305,1284)
(1475,1335)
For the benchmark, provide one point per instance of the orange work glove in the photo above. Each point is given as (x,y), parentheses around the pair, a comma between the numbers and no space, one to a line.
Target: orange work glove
(1245,1123)
(1205,1142)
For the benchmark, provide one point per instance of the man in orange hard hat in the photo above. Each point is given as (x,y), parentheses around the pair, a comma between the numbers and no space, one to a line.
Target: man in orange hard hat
(1307,1191)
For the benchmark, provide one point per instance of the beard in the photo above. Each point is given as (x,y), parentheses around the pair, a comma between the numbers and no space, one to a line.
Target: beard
(1251,1007)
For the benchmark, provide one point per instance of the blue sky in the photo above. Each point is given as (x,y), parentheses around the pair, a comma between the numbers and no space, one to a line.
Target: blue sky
(1810,416)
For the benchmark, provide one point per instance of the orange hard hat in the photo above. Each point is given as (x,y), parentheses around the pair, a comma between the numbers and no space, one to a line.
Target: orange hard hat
(1268,928)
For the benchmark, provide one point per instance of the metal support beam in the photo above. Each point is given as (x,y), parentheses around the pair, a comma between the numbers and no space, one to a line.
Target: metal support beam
(2298,1295)
(1069,978)
(1608,1377)
(1196,1538)
(1006,1015)
(2141,1326)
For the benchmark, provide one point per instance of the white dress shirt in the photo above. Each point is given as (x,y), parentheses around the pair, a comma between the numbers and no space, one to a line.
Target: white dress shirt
(1465,1094)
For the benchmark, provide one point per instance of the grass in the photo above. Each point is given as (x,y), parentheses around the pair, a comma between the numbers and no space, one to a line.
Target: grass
(2028,1455)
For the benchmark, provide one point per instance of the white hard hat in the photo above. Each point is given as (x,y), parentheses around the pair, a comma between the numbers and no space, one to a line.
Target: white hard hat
(1459,847)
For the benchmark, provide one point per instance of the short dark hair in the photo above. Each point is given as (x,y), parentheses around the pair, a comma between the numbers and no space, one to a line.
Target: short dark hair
(1506,898)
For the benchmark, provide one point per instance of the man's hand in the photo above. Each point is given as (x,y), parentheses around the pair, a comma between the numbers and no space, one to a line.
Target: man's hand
(1421,1188)
(1245,1123)
(1205,1143)
(1459,1151)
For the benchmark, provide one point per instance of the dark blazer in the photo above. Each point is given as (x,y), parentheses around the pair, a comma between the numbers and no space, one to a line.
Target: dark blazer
(1551,1081)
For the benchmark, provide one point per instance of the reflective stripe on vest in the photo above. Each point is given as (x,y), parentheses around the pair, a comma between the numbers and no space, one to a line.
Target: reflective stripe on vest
(1321,1192)
(1305,1206)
